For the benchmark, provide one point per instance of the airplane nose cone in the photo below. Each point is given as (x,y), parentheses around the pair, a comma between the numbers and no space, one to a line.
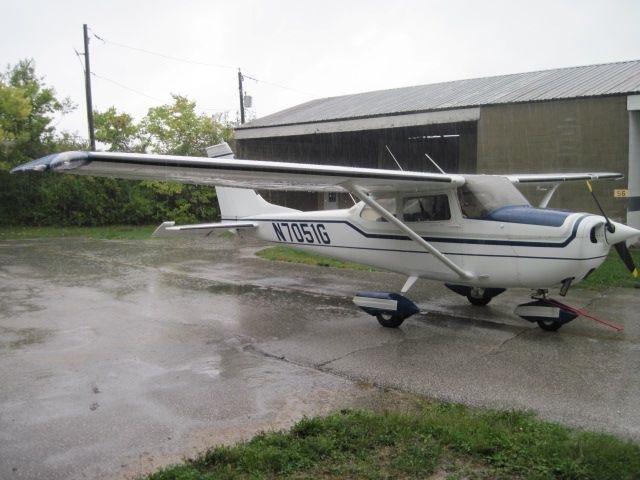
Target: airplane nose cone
(622,233)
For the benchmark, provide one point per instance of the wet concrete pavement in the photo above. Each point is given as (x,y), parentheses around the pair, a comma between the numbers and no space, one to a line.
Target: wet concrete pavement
(117,357)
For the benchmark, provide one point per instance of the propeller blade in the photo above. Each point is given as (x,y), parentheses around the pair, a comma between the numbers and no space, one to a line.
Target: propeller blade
(625,255)
(610,226)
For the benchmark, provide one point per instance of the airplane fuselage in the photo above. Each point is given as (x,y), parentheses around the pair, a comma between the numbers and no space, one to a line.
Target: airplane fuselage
(530,247)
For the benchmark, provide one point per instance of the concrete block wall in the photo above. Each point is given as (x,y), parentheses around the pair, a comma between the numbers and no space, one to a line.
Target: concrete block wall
(560,136)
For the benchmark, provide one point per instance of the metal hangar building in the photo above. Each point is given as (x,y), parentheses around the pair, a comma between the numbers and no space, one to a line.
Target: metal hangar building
(569,119)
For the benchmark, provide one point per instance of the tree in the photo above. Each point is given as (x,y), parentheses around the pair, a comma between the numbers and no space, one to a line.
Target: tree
(27,107)
(173,129)
(178,130)
(14,110)
(118,131)
(28,110)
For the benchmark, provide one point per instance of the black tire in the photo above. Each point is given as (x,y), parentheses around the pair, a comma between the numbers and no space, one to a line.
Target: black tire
(478,301)
(389,321)
(549,325)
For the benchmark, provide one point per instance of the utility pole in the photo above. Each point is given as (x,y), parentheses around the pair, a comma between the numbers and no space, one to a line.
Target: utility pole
(241,96)
(87,84)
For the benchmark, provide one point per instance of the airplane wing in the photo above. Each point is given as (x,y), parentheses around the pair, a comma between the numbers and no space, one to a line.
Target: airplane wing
(553,180)
(253,174)
(562,177)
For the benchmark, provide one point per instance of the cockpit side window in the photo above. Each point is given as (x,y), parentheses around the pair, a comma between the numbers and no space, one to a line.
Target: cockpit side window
(427,208)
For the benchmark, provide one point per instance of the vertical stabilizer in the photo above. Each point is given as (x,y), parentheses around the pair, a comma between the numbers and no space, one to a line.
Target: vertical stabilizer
(237,203)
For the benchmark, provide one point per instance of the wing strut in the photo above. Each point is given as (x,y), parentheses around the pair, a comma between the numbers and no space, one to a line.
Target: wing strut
(362,195)
(547,196)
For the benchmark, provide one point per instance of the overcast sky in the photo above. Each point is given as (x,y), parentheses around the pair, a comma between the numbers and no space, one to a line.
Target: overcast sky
(315,49)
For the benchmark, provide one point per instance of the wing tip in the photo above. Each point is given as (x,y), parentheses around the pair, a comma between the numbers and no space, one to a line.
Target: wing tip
(161,231)
(57,161)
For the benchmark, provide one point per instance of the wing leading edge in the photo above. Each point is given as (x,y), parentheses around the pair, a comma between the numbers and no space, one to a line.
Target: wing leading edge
(258,174)
(254,174)
(562,177)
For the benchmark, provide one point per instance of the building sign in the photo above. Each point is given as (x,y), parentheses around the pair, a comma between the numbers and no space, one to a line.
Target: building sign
(621,192)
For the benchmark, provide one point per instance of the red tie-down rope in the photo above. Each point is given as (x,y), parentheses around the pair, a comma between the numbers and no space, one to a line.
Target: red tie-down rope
(585,314)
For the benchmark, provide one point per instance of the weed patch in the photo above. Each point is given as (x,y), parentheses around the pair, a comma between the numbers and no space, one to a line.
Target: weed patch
(454,439)
(288,254)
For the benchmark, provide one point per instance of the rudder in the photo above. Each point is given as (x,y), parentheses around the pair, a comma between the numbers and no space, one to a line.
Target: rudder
(237,203)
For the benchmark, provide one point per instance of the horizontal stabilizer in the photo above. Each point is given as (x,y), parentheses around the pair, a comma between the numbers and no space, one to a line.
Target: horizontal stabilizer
(170,229)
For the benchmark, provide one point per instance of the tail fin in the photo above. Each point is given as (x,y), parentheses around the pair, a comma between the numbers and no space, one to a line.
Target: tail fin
(236,203)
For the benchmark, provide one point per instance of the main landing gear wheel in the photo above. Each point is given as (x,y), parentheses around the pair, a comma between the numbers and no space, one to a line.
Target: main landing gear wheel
(478,301)
(549,325)
(388,320)
(476,295)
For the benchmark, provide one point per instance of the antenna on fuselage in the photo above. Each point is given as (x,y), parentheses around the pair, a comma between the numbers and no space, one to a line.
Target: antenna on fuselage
(434,162)
(394,157)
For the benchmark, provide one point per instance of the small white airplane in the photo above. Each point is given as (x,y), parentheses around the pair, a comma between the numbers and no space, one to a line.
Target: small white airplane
(476,233)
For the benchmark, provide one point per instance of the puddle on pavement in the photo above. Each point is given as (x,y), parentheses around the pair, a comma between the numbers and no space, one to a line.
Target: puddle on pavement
(14,338)
(231,289)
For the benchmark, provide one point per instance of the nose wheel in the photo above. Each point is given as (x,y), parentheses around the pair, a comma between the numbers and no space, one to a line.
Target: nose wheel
(549,314)
(549,325)
(388,320)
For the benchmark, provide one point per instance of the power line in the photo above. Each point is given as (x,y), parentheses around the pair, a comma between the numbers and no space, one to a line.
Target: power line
(196,62)
(157,54)
(126,88)
(206,107)
(282,86)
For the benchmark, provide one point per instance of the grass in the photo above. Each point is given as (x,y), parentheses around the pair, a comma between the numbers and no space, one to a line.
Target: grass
(113,232)
(613,273)
(451,440)
(291,255)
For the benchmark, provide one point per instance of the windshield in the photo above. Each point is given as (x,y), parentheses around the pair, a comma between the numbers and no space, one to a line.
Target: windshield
(481,195)
(371,215)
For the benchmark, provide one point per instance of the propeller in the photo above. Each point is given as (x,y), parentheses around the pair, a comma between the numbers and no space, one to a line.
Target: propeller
(625,255)
(620,246)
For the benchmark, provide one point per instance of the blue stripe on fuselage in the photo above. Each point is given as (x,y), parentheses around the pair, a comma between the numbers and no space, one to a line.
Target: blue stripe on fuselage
(468,241)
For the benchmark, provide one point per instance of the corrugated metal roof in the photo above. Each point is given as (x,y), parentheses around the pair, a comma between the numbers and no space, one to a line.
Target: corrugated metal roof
(574,82)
